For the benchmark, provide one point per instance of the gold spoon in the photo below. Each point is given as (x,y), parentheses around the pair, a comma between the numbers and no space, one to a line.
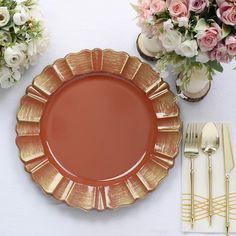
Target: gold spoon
(210,143)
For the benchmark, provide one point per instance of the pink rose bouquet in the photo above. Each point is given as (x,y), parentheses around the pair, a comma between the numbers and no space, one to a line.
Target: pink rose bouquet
(193,33)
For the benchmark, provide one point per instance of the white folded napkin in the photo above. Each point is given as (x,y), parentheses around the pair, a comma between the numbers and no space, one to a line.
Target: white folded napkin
(201,192)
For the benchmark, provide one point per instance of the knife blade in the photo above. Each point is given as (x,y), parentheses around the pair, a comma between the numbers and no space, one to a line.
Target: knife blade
(229,165)
(228,152)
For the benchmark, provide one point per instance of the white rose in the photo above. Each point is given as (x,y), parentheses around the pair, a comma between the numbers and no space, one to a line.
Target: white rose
(43,42)
(7,84)
(16,75)
(35,13)
(5,37)
(22,15)
(4,16)
(15,56)
(32,52)
(37,47)
(188,48)
(202,57)
(182,21)
(170,40)
(19,18)
(5,75)
(167,25)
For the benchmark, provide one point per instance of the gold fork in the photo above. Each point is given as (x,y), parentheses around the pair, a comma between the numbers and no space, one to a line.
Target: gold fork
(191,151)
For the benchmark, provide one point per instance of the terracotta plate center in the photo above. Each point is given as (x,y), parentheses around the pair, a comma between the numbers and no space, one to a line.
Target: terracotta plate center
(98,127)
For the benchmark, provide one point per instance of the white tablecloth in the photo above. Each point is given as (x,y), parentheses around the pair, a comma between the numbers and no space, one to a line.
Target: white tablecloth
(24,209)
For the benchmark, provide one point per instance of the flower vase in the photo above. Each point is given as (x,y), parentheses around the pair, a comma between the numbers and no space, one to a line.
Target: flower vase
(148,47)
(197,88)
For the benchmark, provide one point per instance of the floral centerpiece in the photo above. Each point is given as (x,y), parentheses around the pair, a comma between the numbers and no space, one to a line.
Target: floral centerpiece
(22,39)
(194,34)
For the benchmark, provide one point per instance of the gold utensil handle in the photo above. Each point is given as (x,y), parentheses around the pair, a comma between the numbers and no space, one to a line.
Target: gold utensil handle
(227,222)
(192,191)
(210,210)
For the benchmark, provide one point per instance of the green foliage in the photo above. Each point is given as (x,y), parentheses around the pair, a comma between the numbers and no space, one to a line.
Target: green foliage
(226,30)
(32,29)
(29,3)
(186,66)
(197,22)
(10,4)
(163,16)
(201,25)
(215,65)
(20,34)
(135,7)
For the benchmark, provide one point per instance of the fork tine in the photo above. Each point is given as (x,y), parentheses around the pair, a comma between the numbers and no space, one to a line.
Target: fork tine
(191,151)
(191,134)
(194,134)
(187,137)
(197,134)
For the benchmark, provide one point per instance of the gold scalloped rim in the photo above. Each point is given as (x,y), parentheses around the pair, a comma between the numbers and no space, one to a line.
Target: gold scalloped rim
(134,187)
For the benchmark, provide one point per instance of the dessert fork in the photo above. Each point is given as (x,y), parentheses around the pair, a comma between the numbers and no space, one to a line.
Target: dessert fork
(191,151)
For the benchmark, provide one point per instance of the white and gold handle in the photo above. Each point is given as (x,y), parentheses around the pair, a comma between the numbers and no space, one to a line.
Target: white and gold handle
(227,222)
(210,210)
(229,166)
(192,192)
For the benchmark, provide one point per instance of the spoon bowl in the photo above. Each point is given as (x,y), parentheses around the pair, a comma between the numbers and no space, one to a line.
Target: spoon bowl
(210,142)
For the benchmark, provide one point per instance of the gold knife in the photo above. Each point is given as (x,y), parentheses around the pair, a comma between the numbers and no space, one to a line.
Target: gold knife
(229,165)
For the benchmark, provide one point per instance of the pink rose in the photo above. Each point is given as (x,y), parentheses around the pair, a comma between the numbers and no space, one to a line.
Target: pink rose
(219,2)
(158,6)
(178,8)
(146,15)
(209,38)
(220,53)
(230,43)
(227,13)
(144,7)
(144,4)
(212,54)
(198,5)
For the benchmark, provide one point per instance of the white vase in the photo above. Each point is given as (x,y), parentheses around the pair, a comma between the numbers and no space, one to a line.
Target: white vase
(197,88)
(148,47)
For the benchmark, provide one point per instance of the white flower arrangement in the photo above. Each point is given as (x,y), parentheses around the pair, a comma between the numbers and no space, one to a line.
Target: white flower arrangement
(193,34)
(22,39)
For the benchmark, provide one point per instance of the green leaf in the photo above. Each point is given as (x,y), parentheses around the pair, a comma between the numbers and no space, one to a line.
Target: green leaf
(201,25)
(210,73)
(163,15)
(29,3)
(226,30)
(135,7)
(10,4)
(211,21)
(215,65)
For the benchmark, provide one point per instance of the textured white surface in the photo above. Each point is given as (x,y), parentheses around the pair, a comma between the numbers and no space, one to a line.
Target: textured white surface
(24,209)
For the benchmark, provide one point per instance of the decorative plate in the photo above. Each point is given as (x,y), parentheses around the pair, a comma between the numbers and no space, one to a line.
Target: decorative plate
(98,129)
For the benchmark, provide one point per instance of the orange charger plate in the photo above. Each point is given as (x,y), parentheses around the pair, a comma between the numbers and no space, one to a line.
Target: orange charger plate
(98,129)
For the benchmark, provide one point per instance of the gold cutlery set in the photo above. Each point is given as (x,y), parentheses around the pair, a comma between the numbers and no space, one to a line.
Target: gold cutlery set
(208,140)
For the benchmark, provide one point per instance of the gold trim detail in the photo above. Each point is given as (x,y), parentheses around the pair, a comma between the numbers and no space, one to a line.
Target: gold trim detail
(80,195)
(201,207)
